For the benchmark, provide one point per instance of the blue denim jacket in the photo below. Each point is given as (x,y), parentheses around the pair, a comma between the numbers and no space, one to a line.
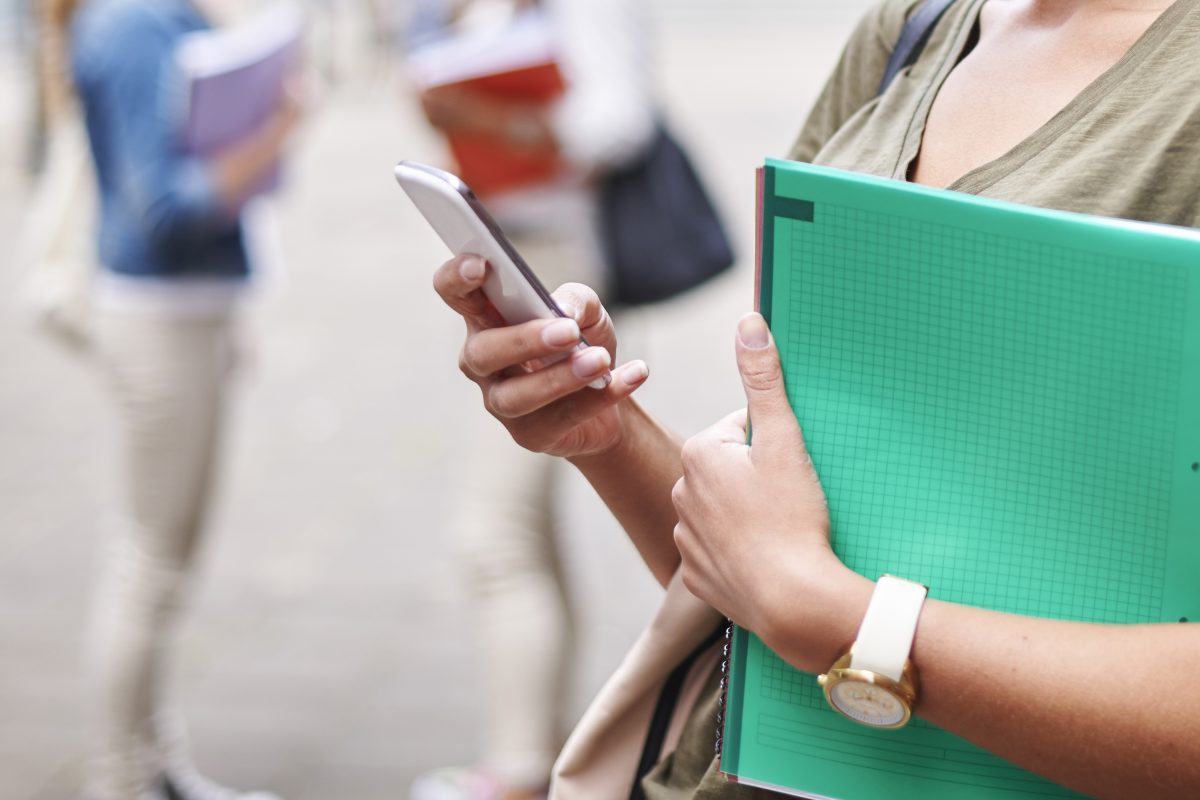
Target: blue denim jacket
(159,210)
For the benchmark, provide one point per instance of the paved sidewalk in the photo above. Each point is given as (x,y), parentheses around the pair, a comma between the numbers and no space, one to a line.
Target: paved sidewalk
(328,654)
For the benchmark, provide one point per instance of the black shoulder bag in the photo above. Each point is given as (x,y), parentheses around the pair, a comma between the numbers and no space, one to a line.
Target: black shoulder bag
(659,231)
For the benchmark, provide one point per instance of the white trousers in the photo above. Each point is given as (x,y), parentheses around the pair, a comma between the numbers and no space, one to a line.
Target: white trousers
(168,377)
(505,528)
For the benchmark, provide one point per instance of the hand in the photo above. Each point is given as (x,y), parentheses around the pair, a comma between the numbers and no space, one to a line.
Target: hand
(241,166)
(446,108)
(454,109)
(753,530)
(546,407)
(299,93)
(522,126)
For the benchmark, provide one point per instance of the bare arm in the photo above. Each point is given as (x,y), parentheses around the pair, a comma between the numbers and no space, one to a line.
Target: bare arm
(52,60)
(634,480)
(1110,710)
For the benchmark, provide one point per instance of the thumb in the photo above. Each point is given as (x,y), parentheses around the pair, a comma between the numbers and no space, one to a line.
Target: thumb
(771,417)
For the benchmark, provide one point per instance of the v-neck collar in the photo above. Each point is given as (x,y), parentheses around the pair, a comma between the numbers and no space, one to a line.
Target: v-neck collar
(983,176)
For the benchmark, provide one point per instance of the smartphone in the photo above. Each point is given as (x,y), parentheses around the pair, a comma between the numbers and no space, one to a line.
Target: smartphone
(462,222)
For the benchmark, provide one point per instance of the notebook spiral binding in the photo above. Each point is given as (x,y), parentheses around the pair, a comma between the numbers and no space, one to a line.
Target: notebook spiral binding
(913,39)
(723,689)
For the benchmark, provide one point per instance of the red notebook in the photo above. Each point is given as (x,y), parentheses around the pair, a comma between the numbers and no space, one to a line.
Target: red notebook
(517,63)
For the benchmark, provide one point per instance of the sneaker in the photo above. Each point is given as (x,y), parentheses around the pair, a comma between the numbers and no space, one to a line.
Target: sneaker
(180,778)
(457,783)
(467,783)
(183,782)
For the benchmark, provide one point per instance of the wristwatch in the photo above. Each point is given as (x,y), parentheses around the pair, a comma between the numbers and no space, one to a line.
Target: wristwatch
(876,683)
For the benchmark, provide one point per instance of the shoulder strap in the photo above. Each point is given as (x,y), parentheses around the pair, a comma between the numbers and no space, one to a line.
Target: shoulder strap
(913,39)
(668,698)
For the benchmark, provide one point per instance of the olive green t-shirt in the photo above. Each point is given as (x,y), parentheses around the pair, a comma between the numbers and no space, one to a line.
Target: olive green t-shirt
(1127,146)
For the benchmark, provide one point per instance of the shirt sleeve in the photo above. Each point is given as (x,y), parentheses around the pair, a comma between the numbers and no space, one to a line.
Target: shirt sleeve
(855,79)
(608,113)
(174,194)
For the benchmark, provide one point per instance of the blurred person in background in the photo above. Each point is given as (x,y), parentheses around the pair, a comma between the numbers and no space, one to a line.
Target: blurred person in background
(505,528)
(55,245)
(175,268)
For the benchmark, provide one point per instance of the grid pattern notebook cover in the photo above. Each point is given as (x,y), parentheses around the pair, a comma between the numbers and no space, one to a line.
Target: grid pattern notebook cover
(1002,403)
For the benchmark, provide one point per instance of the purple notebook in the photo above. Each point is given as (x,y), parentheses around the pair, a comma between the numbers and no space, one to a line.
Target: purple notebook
(235,79)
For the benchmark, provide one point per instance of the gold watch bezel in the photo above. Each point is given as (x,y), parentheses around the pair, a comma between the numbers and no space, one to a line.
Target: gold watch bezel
(904,690)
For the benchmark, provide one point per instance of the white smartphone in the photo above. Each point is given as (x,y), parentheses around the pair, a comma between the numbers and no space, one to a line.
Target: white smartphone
(465,226)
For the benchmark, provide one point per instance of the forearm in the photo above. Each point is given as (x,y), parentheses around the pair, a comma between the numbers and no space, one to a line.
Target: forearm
(53,72)
(634,479)
(1112,711)
(240,167)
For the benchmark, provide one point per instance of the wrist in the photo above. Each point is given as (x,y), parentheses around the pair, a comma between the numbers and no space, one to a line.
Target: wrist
(280,126)
(622,445)
(817,619)
(874,682)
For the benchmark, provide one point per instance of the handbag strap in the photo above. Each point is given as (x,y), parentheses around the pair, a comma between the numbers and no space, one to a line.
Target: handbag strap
(913,39)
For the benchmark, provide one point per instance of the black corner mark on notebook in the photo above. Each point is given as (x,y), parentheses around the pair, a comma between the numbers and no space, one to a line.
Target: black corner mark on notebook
(799,210)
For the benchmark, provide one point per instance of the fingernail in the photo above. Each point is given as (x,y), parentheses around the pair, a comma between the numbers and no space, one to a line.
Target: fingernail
(471,268)
(590,361)
(561,333)
(753,332)
(633,373)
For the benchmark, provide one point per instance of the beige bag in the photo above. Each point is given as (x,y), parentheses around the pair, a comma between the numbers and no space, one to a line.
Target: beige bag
(600,759)
(57,244)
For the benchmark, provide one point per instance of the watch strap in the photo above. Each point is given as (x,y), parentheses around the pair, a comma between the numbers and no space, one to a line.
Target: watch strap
(885,637)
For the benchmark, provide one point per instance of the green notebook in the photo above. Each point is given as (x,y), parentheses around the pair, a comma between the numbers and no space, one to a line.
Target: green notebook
(1003,403)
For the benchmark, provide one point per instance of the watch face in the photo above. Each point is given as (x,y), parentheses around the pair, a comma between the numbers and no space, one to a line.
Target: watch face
(868,703)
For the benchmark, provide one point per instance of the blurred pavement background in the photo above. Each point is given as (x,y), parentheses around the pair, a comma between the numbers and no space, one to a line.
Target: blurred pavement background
(327,655)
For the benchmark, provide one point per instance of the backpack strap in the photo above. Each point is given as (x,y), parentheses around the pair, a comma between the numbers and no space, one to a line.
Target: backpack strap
(913,38)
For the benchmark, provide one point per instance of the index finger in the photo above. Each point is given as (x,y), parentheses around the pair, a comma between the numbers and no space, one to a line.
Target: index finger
(582,304)
(730,429)
(459,282)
